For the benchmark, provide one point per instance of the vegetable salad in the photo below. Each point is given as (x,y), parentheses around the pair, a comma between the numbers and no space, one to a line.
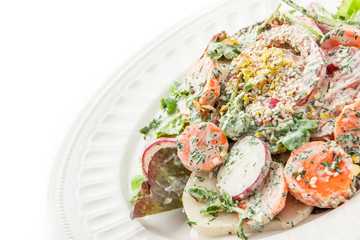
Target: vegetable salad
(263,130)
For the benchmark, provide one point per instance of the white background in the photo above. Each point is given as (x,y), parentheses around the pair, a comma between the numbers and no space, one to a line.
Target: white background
(54,55)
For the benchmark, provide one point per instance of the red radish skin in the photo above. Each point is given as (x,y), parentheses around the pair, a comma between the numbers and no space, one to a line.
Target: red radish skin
(270,102)
(153,148)
(324,132)
(245,169)
(345,35)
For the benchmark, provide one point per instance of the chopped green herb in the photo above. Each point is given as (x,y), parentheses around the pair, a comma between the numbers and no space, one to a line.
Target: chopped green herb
(191,223)
(222,202)
(201,179)
(169,104)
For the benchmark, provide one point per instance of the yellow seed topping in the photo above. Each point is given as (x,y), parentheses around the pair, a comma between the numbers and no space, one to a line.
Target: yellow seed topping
(224,108)
(356,169)
(355,159)
(264,57)
(223,154)
(289,109)
(228,42)
(246,99)
(324,116)
(257,134)
(311,108)
(272,86)
(316,96)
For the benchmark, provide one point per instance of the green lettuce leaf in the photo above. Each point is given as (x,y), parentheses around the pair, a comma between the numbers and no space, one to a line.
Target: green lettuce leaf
(295,139)
(136,182)
(295,133)
(141,191)
(152,125)
(216,50)
(169,104)
(236,125)
(347,10)
(169,123)
(167,180)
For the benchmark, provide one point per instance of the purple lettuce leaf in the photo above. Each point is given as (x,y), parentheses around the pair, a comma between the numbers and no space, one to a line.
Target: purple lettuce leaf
(167,180)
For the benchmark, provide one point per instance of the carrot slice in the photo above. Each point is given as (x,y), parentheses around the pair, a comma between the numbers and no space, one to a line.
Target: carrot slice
(319,174)
(344,35)
(347,129)
(202,79)
(342,83)
(269,200)
(202,146)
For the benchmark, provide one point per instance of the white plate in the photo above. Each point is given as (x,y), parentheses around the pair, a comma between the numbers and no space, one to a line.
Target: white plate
(91,178)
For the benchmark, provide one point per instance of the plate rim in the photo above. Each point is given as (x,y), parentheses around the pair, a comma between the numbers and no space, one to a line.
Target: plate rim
(58,218)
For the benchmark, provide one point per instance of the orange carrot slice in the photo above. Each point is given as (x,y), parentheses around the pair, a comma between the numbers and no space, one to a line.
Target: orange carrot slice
(319,174)
(269,200)
(345,35)
(202,79)
(342,83)
(202,146)
(347,129)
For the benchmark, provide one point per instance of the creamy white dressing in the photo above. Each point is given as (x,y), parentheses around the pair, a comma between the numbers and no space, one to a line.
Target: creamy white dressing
(245,167)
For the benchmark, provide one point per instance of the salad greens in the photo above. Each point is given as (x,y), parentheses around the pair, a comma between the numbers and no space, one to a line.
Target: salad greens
(292,18)
(294,133)
(223,202)
(347,10)
(167,179)
(169,104)
(136,181)
(233,123)
(338,19)
(137,188)
(169,123)
(223,46)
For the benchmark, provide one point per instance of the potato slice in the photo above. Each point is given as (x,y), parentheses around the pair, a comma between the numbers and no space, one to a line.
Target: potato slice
(224,224)
(292,214)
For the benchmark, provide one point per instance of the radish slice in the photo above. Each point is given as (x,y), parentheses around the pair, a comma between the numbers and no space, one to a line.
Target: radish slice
(153,148)
(245,169)
(270,102)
